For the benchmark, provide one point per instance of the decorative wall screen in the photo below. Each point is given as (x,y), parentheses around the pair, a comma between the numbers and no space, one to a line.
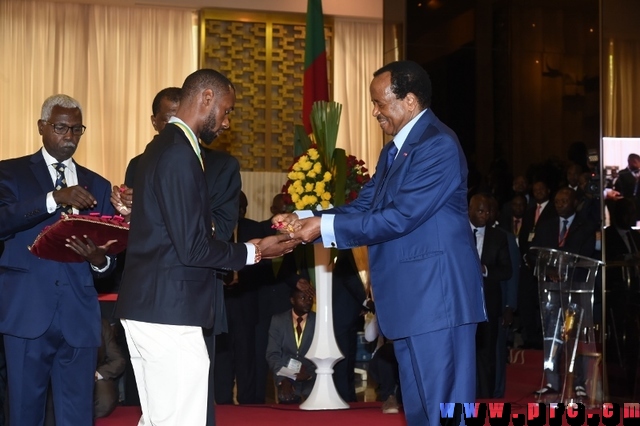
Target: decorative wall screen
(263,55)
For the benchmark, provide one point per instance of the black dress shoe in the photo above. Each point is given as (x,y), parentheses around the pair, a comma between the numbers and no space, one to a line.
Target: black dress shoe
(546,390)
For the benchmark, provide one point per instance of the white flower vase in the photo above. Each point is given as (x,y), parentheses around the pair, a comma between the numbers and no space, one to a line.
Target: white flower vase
(324,351)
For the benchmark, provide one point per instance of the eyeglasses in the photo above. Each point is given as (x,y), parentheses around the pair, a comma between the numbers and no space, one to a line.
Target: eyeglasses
(62,129)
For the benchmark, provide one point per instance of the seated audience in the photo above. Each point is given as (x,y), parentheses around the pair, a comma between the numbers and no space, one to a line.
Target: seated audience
(290,336)
(383,366)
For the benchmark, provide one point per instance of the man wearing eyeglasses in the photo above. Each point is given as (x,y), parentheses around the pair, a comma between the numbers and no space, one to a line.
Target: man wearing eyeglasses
(49,312)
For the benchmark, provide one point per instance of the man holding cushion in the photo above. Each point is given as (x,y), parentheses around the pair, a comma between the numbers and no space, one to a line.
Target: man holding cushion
(49,312)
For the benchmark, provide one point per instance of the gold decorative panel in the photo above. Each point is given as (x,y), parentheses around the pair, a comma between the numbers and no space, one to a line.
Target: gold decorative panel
(263,55)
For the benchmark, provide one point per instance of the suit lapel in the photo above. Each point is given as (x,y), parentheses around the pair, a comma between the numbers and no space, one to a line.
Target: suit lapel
(41,172)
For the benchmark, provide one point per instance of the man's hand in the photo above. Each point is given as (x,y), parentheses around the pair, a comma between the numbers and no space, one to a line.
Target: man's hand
(305,286)
(285,391)
(507,317)
(308,230)
(122,200)
(96,255)
(275,245)
(75,196)
(302,376)
(285,222)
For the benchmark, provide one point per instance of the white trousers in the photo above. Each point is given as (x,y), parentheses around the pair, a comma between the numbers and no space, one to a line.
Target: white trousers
(171,366)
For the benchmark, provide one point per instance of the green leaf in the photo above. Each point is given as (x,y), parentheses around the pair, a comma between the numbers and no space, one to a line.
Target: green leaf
(325,121)
(301,141)
(340,176)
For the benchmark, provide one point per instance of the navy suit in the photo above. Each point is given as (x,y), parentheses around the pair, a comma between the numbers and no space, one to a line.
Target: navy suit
(425,270)
(47,307)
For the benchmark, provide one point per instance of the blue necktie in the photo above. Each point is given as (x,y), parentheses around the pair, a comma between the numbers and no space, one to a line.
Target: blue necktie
(61,182)
(391,155)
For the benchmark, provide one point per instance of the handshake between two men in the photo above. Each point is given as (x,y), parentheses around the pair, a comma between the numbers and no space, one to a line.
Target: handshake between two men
(291,229)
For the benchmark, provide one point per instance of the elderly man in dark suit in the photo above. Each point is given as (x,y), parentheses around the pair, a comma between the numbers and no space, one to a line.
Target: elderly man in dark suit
(425,271)
(49,312)
(493,250)
(168,284)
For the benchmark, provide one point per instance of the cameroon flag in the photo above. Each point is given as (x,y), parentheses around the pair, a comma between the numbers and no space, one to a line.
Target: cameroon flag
(316,85)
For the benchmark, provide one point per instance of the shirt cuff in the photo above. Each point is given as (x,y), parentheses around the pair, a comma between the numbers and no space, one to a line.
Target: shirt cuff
(251,254)
(51,203)
(327,232)
(101,270)
(303,214)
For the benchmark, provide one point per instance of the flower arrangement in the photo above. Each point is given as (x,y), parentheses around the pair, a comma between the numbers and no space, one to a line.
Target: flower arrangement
(323,176)
(309,184)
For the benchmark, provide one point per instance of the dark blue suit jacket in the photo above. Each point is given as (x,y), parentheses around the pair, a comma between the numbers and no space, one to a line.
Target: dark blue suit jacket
(28,284)
(425,271)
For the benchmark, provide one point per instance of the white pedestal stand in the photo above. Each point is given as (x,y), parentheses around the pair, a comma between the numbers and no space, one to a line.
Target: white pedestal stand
(324,351)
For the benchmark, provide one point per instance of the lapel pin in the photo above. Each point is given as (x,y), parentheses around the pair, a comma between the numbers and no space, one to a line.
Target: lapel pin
(405,154)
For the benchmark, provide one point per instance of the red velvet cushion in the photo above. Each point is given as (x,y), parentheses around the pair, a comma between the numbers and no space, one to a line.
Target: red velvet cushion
(50,243)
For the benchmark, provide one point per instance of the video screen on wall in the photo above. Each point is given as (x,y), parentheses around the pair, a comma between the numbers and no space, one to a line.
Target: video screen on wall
(615,153)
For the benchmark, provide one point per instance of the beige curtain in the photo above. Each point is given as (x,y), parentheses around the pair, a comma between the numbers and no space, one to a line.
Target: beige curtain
(112,59)
(622,89)
(358,51)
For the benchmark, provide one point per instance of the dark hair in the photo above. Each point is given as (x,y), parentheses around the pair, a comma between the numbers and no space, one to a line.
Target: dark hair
(633,157)
(408,77)
(170,93)
(205,78)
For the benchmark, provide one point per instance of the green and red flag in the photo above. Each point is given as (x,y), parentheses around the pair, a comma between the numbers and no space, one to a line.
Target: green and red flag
(316,85)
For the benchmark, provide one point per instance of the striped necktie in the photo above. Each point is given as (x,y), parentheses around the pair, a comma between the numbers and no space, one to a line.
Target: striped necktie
(61,182)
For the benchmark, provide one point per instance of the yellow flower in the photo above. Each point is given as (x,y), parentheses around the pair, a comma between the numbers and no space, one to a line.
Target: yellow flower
(309,200)
(295,197)
(327,177)
(300,205)
(313,154)
(326,196)
(317,167)
(308,187)
(292,175)
(311,174)
(296,167)
(291,189)
(325,204)
(306,165)
(320,188)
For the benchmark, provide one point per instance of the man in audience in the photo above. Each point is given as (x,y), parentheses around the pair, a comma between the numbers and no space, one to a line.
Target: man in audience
(571,233)
(383,366)
(493,250)
(49,313)
(111,365)
(235,349)
(274,292)
(168,284)
(528,306)
(348,297)
(164,106)
(509,289)
(290,337)
(628,182)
